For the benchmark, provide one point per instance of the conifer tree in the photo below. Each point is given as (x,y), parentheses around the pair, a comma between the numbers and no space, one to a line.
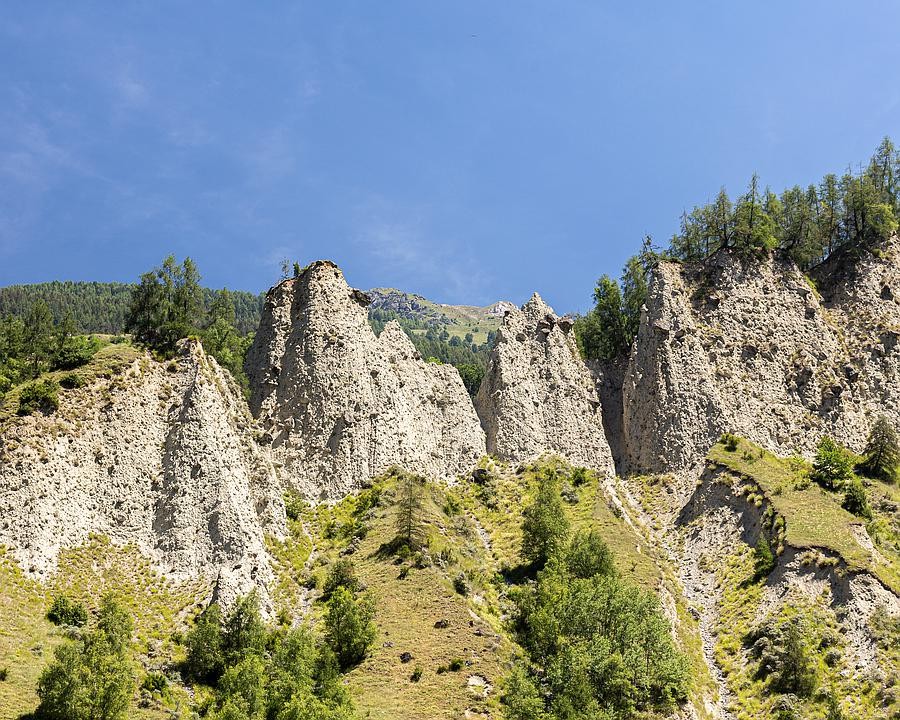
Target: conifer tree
(882,453)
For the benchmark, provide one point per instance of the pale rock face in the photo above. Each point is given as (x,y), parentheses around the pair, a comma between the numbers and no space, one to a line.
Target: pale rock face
(537,394)
(751,348)
(162,457)
(342,405)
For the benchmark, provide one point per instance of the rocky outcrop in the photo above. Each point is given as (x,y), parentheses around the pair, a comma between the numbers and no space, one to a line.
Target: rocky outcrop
(537,395)
(341,405)
(752,348)
(161,456)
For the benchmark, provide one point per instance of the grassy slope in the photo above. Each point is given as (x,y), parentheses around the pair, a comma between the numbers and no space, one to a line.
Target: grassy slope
(463,318)
(474,533)
(109,360)
(814,520)
(86,573)
(814,517)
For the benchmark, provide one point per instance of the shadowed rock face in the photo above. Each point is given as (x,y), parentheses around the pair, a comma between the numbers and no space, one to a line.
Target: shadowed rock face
(537,394)
(342,405)
(752,348)
(161,457)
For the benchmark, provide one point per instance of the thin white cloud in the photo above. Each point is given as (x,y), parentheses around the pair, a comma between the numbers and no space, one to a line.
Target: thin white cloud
(400,245)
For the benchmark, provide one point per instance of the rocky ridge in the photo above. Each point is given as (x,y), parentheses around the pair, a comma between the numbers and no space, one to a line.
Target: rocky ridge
(341,405)
(752,348)
(163,457)
(538,395)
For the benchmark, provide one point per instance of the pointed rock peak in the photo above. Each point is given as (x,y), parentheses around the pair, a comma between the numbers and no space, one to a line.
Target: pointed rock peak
(536,310)
(394,337)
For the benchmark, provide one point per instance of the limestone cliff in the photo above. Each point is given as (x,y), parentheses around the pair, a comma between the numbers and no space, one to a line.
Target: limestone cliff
(161,456)
(537,395)
(340,404)
(752,348)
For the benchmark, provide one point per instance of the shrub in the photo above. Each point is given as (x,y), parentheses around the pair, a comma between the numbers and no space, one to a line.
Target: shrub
(855,500)
(70,381)
(64,611)
(763,559)
(75,352)
(471,375)
(580,476)
(730,441)
(833,466)
(882,453)
(155,682)
(40,395)
(572,626)
(349,630)
(461,584)
(784,656)
(294,505)
(4,673)
(588,556)
(456,664)
(416,674)
(90,679)
(341,574)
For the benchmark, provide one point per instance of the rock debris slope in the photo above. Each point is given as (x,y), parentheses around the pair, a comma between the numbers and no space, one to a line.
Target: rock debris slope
(342,405)
(537,394)
(752,348)
(161,456)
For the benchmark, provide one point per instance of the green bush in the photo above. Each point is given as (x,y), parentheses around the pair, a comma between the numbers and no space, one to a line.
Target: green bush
(730,441)
(456,664)
(588,556)
(580,476)
(40,395)
(832,466)
(597,647)
(70,381)
(763,559)
(785,658)
(461,584)
(349,630)
(340,574)
(416,674)
(64,611)
(4,673)
(855,500)
(472,376)
(282,673)
(155,682)
(75,352)
(294,505)
(91,679)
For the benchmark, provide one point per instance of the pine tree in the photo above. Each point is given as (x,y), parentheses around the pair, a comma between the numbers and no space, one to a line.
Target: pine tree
(882,453)
(409,521)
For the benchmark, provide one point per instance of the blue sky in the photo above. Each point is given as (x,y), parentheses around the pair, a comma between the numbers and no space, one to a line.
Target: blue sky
(468,151)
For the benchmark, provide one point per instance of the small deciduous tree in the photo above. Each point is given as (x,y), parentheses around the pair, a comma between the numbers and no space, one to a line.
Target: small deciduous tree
(91,679)
(349,629)
(545,527)
(832,467)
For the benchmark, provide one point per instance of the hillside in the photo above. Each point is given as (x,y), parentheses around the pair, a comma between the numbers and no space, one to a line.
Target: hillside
(486,552)
(457,320)
(100,307)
